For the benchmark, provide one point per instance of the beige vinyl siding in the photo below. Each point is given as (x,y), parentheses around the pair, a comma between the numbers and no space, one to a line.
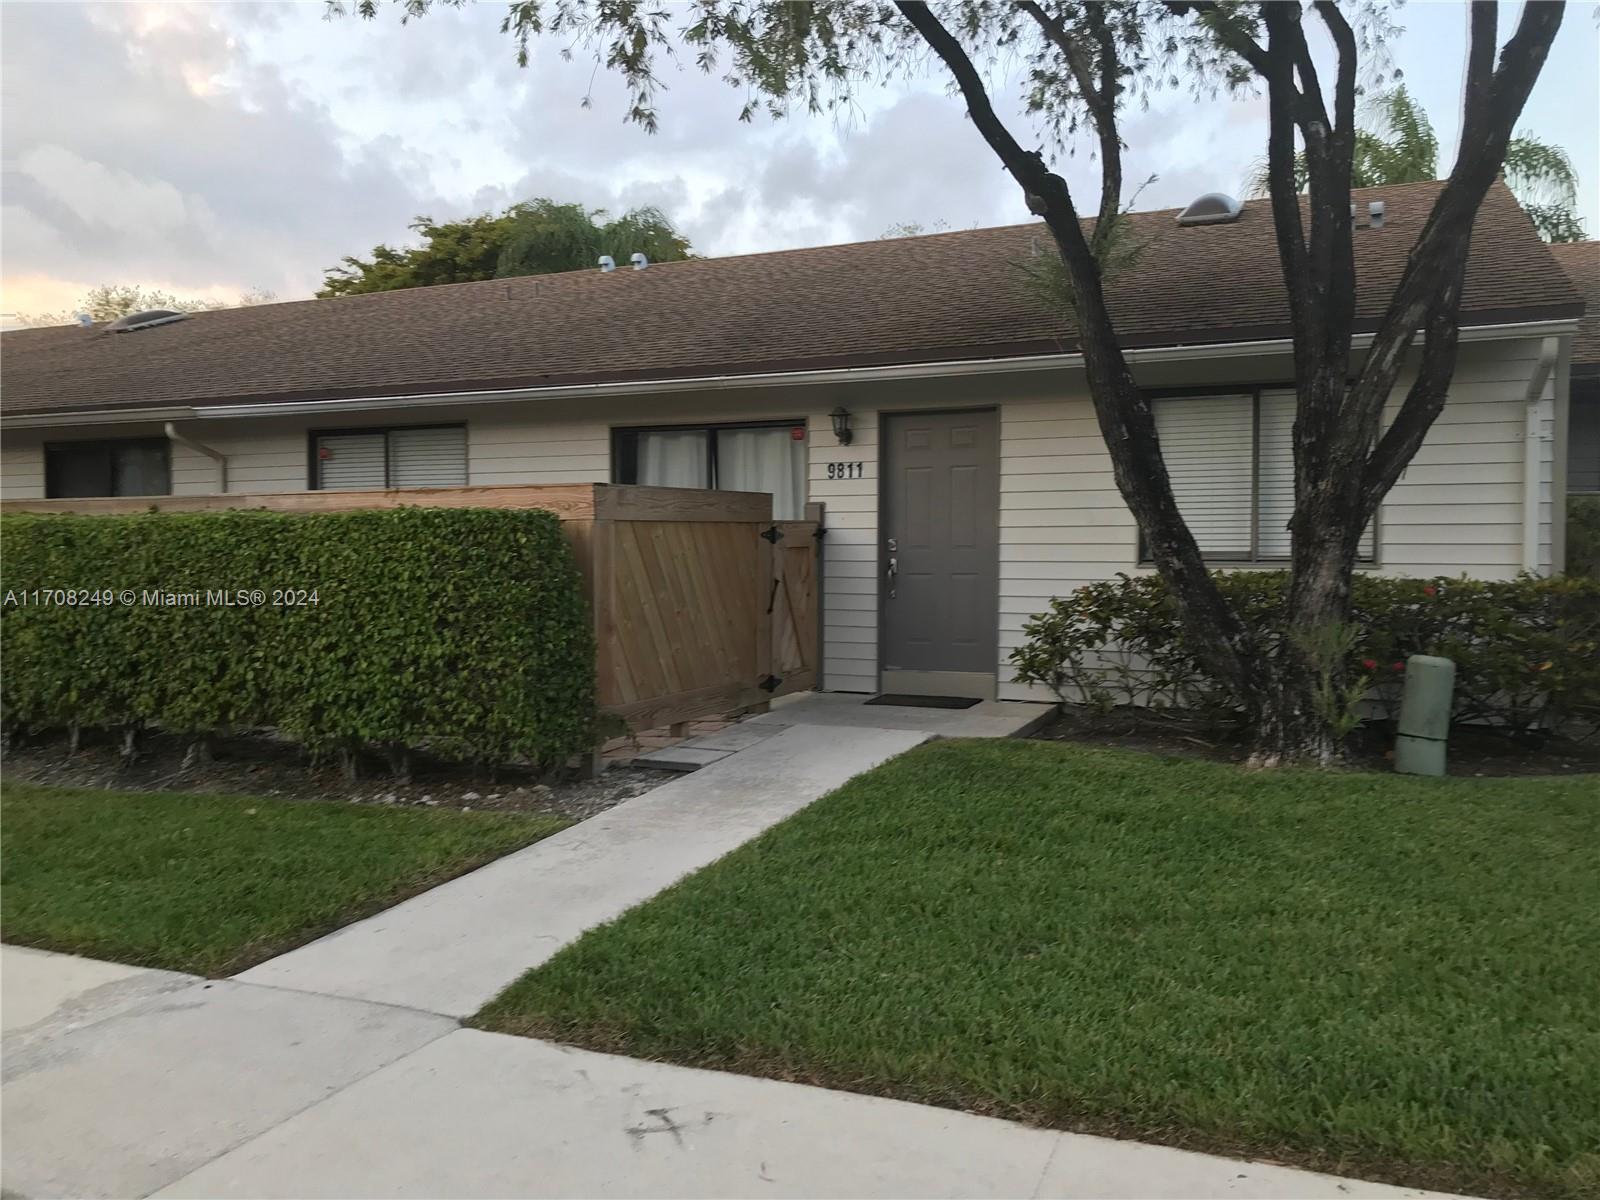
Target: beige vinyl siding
(21,465)
(523,446)
(1456,510)
(850,550)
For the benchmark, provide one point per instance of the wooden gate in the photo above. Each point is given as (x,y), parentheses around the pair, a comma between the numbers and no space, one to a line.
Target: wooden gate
(794,602)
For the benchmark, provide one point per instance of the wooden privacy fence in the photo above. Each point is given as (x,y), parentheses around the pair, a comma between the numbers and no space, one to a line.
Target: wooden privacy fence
(702,604)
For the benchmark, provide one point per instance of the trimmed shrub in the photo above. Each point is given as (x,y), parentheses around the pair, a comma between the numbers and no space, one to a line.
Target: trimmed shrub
(462,630)
(1583,536)
(1527,651)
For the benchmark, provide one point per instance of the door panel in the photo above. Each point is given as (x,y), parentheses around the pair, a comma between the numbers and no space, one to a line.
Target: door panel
(941,518)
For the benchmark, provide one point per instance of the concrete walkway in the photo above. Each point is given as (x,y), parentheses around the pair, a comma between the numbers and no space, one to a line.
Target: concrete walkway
(120,1082)
(452,949)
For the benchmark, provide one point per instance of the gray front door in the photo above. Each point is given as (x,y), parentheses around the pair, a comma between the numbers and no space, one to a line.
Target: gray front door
(940,553)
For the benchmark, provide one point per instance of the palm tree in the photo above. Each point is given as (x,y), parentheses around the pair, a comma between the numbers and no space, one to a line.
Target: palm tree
(1399,146)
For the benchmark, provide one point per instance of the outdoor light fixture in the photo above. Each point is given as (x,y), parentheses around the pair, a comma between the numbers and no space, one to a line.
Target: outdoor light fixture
(841,425)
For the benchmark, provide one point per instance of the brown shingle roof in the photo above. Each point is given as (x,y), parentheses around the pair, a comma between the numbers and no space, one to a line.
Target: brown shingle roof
(1582,262)
(925,299)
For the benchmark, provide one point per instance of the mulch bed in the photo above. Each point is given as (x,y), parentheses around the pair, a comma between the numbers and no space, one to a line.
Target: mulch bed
(260,764)
(1472,751)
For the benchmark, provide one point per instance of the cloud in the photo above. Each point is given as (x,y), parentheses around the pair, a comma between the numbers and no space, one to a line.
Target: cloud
(152,148)
(208,148)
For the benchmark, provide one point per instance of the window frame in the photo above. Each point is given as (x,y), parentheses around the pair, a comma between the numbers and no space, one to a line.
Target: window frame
(629,458)
(1254,559)
(313,476)
(108,445)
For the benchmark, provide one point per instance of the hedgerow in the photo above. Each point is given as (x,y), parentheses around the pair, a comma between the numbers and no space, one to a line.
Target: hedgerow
(1527,650)
(463,631)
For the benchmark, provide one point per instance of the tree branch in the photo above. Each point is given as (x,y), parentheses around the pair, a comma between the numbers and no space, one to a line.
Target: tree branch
(1429,292)
(1127,422)
(1099,96)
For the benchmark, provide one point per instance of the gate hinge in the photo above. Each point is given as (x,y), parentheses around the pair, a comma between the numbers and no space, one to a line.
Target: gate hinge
(773,535)
(819,532)
(769,684)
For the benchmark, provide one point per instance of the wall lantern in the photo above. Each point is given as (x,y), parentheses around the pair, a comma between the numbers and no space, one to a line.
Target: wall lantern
(841,425)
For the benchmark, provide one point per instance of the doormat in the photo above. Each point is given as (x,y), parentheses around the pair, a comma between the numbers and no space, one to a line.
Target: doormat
(924,701)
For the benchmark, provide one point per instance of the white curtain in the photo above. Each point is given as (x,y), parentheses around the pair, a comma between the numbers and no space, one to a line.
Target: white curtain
(764,460)
(672,459)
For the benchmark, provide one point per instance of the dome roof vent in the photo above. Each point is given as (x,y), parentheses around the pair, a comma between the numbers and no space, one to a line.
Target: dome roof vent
(1214,208)
(144,320)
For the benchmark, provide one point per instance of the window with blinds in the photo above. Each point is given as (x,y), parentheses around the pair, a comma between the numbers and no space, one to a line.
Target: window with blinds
(430,456)
(1231,460)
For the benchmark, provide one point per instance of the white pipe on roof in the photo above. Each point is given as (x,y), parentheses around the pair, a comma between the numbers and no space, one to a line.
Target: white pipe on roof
(981,366)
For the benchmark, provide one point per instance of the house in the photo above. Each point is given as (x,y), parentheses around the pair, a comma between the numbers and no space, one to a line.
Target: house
(921,388)
(1581,260)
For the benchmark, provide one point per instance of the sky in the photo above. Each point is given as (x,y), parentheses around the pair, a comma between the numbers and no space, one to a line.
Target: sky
(211,149)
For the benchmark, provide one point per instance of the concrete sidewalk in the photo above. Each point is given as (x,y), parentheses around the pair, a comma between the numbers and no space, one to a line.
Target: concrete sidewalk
(130,1083)
(452,949)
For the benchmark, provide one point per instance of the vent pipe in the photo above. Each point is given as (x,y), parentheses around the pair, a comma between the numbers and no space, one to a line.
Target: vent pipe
(215,455)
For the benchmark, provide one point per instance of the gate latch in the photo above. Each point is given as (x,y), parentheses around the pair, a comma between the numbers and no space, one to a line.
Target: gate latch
(773,535)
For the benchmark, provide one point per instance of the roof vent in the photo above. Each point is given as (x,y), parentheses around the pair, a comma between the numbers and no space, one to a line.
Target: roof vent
(639,261)
(144,320)
(1375,214)
(607,263)
(83,318)
(1214,208)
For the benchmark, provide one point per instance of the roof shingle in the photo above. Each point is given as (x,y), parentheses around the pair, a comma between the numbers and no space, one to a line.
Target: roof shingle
(1581,260)
(925,299)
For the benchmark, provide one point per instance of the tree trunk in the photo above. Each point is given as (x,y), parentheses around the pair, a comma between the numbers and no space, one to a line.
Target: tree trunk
(130,745)
(198,754)
(400,763)
(1296,723)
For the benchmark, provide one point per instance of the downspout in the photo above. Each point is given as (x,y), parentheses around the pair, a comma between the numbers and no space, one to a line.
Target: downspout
(215,455)
(1532,446)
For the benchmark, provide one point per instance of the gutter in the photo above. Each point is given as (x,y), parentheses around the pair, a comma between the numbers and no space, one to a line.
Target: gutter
(705,383)
(216,455)
(1532,450)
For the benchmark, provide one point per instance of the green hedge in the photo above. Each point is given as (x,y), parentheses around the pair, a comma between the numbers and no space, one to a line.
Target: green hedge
(1527,650)
(462,630)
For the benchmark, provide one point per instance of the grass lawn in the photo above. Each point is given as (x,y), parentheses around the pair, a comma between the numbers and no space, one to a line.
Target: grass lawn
(1379,976)
(213,884)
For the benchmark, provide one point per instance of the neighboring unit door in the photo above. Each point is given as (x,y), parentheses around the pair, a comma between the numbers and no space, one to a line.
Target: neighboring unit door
(940,553)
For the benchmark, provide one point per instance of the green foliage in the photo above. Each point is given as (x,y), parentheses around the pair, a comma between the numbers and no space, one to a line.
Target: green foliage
(464,630)
(214,884)
(537,237)
(1583,536)
(110,301)
(1398,145)
(1370,974)
(1527,651)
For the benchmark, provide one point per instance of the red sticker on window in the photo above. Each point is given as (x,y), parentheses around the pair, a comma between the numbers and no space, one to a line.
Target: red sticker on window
(798,433)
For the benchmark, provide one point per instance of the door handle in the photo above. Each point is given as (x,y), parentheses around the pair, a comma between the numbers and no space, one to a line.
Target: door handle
(894,569)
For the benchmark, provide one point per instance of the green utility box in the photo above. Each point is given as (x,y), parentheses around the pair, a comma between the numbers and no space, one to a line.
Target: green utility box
(1425,715)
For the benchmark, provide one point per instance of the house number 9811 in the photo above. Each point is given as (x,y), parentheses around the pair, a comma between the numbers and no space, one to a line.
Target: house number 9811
(846,470)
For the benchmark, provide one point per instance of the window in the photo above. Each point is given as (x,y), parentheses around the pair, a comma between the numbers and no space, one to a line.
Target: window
(1231,461)
(127,467)
(356,459)
(770,457)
